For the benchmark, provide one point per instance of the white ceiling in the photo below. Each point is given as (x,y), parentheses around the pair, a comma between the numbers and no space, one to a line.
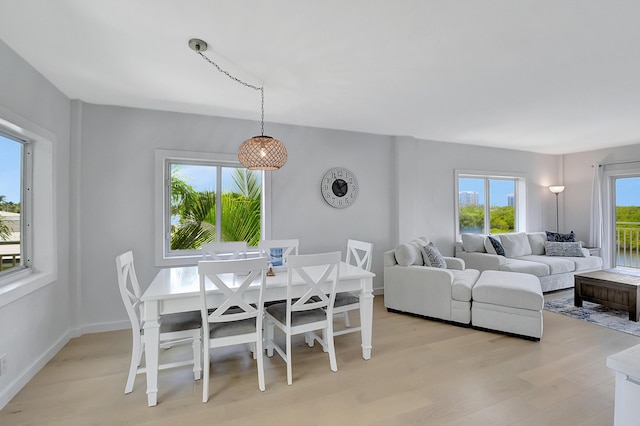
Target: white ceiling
(549,76)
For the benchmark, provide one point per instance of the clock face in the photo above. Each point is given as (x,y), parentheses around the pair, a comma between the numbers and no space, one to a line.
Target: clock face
(339,187)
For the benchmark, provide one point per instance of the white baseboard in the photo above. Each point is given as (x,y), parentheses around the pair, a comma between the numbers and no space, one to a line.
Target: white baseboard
(105,326)
(14,387)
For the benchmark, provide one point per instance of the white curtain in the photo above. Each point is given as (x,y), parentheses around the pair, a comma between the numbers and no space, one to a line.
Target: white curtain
(596,224)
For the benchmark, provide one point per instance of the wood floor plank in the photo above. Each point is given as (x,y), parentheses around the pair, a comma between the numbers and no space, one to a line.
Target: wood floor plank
(421,372)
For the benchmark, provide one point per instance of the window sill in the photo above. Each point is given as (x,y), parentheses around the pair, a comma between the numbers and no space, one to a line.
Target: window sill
(24,284)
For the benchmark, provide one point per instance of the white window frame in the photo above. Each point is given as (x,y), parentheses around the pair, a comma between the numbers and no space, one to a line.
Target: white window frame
(519,197)
(26,181)
(40,241)
(164,256)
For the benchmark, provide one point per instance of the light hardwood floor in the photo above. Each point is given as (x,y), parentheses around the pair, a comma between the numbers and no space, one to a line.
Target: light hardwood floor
(421,372)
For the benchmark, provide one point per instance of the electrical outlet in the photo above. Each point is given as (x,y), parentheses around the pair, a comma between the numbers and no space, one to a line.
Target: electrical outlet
(3,364)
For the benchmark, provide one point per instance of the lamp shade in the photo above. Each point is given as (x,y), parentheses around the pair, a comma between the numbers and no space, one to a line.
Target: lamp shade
(556,189)
(262,153)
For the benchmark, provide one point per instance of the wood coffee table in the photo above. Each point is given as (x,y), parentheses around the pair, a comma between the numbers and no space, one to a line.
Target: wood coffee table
(610,288)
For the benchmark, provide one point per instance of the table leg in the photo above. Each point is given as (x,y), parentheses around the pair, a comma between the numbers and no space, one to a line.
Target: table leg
(577,300)
(151,349)
(633,304)
(366,316)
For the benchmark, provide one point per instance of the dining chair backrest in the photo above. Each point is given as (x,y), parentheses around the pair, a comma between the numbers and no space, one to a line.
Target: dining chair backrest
(129,289)
(227,250)
(242,273)
(268,249)
(359,254)
(318,272)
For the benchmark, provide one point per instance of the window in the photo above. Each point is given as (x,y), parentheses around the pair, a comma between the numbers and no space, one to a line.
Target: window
(207,197)
(488,204)
(14,185)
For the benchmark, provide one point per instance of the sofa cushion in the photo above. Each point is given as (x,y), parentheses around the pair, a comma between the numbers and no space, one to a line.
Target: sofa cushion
(561,238)
(536,241)
(409,253)
(473,242)
(568,249)
(509,289)
(516,244)
(585,263)
(432,256)
(495,244)
(557,265)
(527,267)
(463,282)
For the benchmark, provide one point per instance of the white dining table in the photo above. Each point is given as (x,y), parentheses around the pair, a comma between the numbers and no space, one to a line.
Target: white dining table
(177,289)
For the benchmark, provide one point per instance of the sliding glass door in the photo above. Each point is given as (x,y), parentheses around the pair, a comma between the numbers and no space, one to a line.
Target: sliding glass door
(627,221)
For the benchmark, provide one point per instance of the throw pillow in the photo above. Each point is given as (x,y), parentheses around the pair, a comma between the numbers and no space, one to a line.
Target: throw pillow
(433,257)
(561,238)
(536,241)
(516,244)
(567,249)
(473,242)
(497,246)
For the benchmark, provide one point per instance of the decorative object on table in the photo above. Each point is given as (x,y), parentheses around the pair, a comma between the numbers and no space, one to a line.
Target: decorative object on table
(277,251)
(339,187)
(616,319)
(270,272)
(260,152)
(556,189)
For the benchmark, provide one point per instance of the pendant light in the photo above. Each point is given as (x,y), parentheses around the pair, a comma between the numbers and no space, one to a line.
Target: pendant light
(260,152)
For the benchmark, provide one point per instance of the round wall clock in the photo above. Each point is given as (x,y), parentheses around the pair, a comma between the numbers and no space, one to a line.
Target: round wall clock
(339,187)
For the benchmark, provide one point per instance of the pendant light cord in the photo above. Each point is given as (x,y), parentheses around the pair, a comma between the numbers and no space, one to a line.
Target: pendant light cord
(261,88)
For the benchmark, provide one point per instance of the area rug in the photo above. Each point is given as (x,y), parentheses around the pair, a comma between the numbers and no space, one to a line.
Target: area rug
(616,319)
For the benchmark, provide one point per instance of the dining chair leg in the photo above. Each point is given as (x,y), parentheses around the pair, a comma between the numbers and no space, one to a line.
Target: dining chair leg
(332,350)
(270,336)
(205,374)
(289,369)
(259,355)
(347,324)
(197,356)
(136,357)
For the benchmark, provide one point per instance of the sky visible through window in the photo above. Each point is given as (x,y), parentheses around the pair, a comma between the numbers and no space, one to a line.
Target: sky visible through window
(10,169)
(500,189)
(628,192)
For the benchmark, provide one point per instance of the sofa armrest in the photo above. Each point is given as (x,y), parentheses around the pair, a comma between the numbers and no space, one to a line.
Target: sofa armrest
(482,261)
(455,263)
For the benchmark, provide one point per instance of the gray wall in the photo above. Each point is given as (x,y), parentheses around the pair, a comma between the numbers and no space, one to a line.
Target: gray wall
(117,199)
(426,184)
(33,327)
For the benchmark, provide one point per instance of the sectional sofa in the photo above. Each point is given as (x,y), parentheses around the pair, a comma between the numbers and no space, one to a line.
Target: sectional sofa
(553,262)
(419,282)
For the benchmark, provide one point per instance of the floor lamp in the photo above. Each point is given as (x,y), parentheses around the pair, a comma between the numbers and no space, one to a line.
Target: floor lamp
(556,190)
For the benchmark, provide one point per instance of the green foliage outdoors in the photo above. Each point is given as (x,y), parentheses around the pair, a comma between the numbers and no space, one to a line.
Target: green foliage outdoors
(502,219)
(241,217)
(627,233)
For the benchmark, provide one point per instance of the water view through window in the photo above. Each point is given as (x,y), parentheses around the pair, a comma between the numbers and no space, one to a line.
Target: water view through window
(627,222)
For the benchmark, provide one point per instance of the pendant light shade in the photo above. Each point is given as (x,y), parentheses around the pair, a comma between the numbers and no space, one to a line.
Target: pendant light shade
(260,152)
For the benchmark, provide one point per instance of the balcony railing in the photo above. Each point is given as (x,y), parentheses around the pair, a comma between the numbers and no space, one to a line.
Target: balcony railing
(628,244)
(9,254)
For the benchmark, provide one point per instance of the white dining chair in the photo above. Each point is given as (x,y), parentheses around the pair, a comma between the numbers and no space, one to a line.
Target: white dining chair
(235,321)
(358,254)
(288,247)
(310,312)
(175,329)
(224,250)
